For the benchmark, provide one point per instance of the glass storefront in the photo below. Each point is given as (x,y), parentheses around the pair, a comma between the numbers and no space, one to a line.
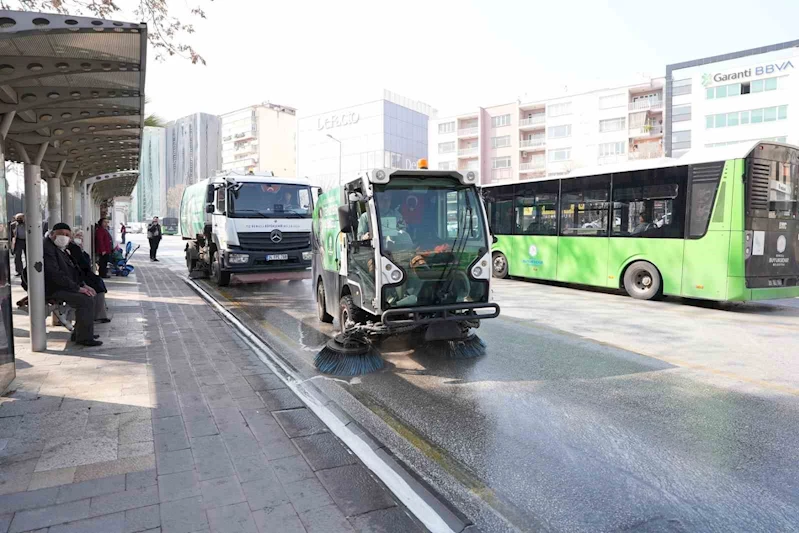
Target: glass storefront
(372,135)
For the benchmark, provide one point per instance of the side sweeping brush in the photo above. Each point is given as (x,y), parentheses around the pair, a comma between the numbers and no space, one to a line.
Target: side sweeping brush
(347,357)
(468,348)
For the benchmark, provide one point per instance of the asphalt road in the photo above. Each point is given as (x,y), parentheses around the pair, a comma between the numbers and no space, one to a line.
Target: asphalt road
(590,412)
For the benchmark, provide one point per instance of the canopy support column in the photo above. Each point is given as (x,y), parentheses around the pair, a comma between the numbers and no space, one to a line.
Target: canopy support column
(37,306)
(68,199)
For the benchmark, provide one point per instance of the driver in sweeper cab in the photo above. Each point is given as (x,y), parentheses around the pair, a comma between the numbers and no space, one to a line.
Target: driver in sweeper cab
(390,217)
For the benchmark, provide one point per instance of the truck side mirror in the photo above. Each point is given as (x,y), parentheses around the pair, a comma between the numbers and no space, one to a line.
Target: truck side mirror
(345,219)
(494,239)
(209,208)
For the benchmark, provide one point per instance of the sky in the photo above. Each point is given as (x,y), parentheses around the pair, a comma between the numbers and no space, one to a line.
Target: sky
(317,56)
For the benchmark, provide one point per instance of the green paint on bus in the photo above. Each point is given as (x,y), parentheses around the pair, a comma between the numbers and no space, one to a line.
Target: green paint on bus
(698,234)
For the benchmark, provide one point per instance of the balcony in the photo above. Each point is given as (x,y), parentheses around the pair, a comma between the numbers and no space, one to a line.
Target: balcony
(646,105)
(467,132)
(532,121)
(646,130)
(646,152)
(533,166)
(533,143)
(468,151)
(501,174)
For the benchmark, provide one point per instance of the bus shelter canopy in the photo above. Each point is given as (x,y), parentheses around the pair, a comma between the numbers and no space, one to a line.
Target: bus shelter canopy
(72,88)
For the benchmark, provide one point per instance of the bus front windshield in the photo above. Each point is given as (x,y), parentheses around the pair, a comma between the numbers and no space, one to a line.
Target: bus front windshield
(269,200)
(434,230)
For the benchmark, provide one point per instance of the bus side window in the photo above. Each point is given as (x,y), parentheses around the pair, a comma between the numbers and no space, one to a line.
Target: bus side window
(649,203)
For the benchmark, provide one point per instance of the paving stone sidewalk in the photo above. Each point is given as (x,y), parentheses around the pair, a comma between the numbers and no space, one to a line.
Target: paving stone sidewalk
(174,426)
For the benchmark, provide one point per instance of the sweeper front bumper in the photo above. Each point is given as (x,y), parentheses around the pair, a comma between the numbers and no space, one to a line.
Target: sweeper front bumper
(403,317)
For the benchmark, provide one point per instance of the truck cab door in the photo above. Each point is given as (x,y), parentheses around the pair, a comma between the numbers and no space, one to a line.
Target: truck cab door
(219,218)
(361,258)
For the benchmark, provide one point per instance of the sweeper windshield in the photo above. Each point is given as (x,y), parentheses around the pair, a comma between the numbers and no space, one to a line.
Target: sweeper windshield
(433,229)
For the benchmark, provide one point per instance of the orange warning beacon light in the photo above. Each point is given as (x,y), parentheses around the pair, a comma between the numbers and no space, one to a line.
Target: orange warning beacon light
(421,164)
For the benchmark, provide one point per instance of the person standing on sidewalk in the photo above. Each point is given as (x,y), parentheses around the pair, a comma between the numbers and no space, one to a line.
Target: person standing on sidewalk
(104,246)
(18,238)
(154,236)
(123,230)
(62,282)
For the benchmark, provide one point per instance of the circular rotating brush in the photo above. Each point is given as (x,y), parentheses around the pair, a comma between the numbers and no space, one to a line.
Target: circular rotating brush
(345,355)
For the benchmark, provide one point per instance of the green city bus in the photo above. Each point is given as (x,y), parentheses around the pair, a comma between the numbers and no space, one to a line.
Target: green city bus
(718,224)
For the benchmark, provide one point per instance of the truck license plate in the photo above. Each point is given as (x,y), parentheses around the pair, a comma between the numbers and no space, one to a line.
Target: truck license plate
(277,257)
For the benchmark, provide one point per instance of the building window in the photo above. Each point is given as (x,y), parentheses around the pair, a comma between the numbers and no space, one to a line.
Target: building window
(557,110)
(446,127)
(681,140)
(614,100)
(558,156)
(681,113)
(607,149)
(447,165)
(612,124)
(754,116)
(737,89)
(501,120)
(560,132)
(500,162)
(679,87)
(500,142)
(445,148)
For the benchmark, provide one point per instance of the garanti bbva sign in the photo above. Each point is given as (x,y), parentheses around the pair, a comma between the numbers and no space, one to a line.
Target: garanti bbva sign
(744,74)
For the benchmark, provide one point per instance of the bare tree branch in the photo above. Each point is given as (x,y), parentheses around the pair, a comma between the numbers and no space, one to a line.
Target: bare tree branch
(166,32)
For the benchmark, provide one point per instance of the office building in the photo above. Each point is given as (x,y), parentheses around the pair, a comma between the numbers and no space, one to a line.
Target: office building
(260,138)
(550,137)
(192,154)
(732,98)
(148,196)
(390,132)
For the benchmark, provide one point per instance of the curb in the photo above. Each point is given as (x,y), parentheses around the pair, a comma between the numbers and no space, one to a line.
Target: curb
(414,493)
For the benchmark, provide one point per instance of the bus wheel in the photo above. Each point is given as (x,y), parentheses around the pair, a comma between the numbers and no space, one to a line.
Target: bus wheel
(321,309)
(349,312)
(642,280)
(499,265)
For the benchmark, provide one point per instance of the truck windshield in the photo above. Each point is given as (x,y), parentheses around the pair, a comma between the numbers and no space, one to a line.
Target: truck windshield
(434,230)
(269,200)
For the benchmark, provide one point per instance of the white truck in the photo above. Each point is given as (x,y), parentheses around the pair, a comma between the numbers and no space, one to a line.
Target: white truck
(255,226)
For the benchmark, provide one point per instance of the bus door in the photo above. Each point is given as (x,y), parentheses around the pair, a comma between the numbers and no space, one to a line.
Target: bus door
(583,242)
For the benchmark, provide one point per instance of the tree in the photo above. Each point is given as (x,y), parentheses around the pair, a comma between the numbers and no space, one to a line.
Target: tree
(166,32)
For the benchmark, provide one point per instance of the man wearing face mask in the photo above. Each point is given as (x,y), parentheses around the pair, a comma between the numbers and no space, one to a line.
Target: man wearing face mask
(62,282)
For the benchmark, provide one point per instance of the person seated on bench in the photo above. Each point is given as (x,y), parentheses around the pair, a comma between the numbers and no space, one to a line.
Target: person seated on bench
(83,263)
(62,282)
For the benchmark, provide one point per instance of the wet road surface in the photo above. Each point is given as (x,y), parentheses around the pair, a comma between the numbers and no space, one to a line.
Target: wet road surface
(590,412)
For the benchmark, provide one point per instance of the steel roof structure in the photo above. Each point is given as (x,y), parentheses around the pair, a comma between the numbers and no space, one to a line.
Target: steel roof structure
(73,87)
(72,106)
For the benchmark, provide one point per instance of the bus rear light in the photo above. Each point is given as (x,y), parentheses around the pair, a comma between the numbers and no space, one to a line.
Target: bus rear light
(700,287)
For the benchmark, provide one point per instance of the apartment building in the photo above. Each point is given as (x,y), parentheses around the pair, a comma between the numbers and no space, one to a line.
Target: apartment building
(733,98)
(192,154)
(260,138)
(524,141)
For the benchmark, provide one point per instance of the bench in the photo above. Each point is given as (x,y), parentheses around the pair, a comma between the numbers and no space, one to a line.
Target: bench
(60,312)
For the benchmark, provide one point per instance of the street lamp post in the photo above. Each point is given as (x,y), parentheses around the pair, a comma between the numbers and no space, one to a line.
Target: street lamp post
(339,157)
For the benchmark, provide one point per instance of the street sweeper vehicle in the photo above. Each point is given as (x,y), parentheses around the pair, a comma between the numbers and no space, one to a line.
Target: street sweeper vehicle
(401,252)
(255,226)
